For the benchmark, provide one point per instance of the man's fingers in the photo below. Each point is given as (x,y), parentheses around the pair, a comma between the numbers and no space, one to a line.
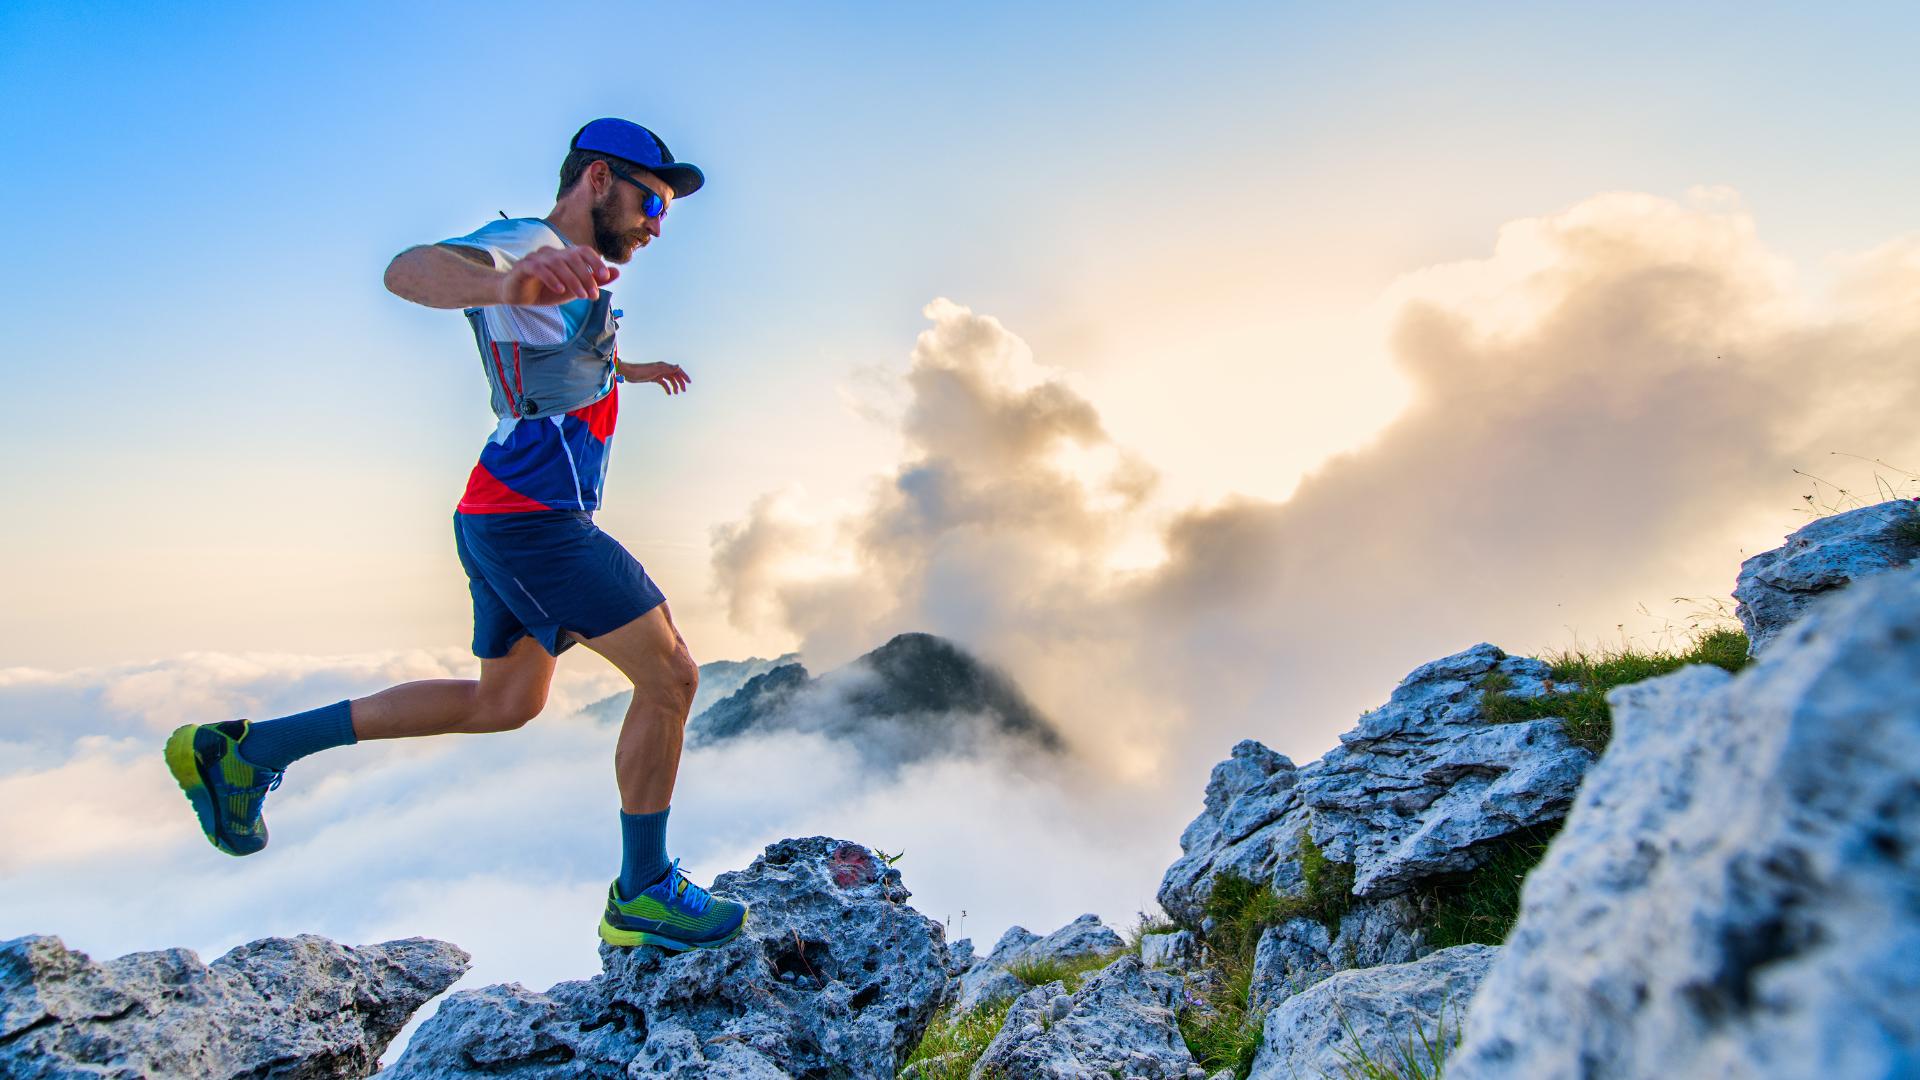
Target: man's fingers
(577,283)
(591,265)
(548,278)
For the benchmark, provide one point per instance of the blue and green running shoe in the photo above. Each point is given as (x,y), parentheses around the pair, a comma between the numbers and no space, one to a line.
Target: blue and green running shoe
(225,789)
(672,913)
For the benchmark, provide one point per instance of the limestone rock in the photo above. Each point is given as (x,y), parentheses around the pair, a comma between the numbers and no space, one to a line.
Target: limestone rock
(1422,787)
(1121,1022)
(300,1007)
(990,979)
(834,974)
(1179,949)
(1775,586)
(1737,889)
(1376,1011)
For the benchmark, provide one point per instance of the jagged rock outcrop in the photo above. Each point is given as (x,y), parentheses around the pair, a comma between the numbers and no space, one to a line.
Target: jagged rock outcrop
(1775,587)
(1178,949)
(300,1007)
(1737,890)
(1299,952)
(915,697)
(989,979)
(1121,1022)
(1420,788)
(833,975)
(1384,1014)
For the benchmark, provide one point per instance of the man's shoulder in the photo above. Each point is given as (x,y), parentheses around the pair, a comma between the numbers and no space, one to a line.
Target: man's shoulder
(510,239)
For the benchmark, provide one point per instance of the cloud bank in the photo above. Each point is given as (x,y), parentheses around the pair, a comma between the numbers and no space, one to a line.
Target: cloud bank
(1604,412)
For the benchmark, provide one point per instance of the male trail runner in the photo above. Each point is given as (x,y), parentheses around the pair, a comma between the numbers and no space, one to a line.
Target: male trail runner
(542,574)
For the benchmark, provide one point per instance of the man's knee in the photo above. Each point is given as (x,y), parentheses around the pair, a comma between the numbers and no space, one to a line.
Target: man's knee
(508,711)
(680,676)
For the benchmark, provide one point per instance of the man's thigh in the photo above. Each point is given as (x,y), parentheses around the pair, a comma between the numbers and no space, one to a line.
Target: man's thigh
(521,676)
(644,649)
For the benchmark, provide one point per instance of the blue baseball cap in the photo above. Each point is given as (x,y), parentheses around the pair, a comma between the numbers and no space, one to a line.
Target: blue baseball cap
(628,140)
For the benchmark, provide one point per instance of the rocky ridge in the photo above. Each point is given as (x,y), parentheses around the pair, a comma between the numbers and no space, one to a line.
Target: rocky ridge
(283,1007)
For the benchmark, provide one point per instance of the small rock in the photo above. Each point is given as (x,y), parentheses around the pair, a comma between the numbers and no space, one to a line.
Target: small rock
(1775,587)
(1179,949)
(1122,1019)
(1375,1011)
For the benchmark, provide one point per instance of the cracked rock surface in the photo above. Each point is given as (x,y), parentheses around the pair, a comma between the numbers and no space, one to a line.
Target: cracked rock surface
(1121,1022)
(297,1007)
(989,979)
(1737,889)
(834,975)
(1775,587)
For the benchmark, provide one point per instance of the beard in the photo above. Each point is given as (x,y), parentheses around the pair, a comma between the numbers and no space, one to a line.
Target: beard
(613,245)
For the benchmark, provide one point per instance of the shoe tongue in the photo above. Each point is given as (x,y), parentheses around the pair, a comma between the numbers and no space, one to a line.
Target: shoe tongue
(233,729)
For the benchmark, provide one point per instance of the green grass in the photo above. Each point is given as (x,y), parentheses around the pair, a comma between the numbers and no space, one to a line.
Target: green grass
(1481,907)
(1241,910)
(965,1037)
(1145,924)
(1588,722)
(1073,971)
(1415,1056)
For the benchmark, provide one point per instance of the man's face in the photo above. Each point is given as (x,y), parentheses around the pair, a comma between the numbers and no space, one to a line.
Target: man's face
(618,224)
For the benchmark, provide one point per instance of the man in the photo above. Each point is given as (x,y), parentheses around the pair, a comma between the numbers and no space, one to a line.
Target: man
(541,573)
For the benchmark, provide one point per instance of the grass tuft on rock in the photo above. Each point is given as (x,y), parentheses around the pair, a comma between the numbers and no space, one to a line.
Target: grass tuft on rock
(1228,1034)
(1481,906)
(1073,970)
(951,1044)
(1595,672)
(1417,1055)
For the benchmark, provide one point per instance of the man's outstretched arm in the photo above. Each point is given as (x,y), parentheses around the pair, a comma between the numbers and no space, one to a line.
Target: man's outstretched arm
(449,276)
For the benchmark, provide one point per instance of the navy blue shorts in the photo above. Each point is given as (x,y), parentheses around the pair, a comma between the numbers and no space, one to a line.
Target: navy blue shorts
(546,572)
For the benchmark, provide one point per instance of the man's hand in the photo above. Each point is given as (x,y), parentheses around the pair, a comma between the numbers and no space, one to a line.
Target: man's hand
(554,276)
(671,377)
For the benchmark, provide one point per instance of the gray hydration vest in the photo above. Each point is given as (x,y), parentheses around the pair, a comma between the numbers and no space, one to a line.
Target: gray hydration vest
(534,381)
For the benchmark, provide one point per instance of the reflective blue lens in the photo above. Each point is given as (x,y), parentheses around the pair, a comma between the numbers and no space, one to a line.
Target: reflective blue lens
(651,204)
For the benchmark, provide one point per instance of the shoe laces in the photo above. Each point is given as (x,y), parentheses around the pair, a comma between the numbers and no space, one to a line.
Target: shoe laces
(273,781)
(693,896)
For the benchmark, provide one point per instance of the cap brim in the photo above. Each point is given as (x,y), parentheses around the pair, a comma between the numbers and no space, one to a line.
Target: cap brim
(683,178)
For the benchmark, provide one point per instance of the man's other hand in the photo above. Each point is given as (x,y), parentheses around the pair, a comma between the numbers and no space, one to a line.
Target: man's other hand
(554,276)
(671,377)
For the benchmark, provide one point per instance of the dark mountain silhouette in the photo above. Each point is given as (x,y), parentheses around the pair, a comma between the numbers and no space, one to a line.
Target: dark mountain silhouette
(914,697)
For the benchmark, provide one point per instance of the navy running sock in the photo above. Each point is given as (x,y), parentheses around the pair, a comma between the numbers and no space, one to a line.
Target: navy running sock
(643,840)
(274,744)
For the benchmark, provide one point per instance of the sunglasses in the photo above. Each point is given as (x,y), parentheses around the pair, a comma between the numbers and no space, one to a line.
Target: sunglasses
(651,204)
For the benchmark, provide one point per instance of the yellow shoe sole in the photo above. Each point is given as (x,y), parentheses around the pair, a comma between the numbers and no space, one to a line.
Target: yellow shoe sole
(613,935)
(186,772)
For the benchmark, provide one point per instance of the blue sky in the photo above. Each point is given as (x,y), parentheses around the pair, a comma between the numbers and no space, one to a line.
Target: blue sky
(205,197)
